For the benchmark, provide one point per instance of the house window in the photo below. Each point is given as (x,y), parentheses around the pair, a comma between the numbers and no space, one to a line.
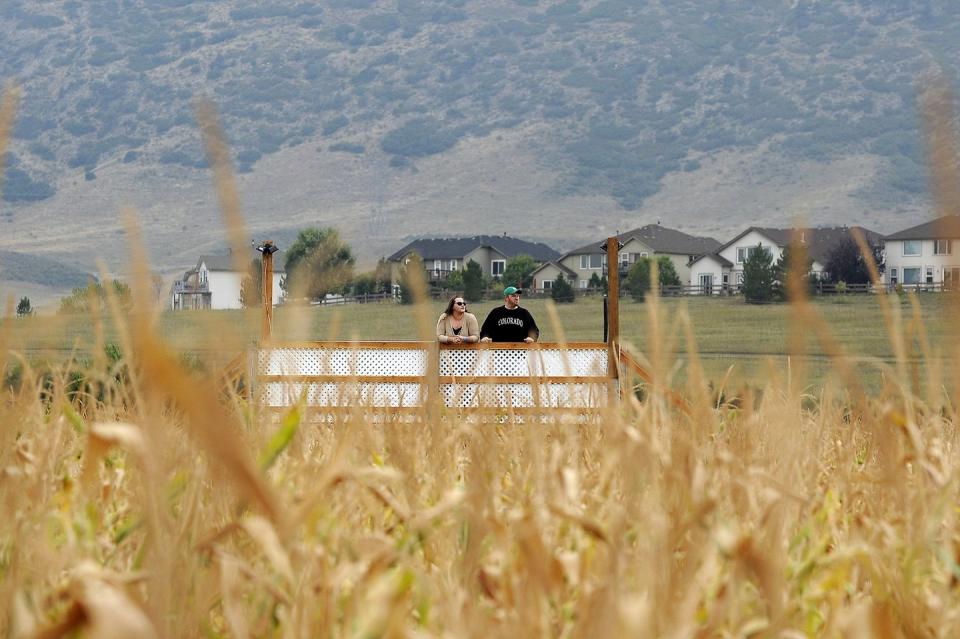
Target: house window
(942,247)
(497,267)
(644,254)
(740,278)
(203,277)
(546,285)
(910,248)
(744,253)
(583,283)
(438,265)
(592,261)
(893,276)
(624,259)
(929,275)
(911,275)
(453,265)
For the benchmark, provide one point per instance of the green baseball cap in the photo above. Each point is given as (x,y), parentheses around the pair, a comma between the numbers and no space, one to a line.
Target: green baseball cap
(512,290)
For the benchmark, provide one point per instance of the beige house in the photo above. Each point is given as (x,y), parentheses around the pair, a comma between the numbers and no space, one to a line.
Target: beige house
(652,240)
(443,256)
(546,274)
(923,254)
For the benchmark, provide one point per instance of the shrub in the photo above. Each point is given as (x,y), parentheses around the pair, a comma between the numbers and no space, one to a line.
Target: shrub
(81,299)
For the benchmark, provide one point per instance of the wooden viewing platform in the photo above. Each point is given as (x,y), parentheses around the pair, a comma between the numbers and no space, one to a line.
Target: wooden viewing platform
(404,375)
(409,376)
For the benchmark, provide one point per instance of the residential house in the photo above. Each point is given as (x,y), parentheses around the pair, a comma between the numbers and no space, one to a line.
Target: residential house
(443,256)
(652,240)
(923,254)
(546,274)
(214,283)
(722,270)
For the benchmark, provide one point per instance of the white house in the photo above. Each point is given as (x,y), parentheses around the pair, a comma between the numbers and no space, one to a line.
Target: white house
(923,254)
(215,283)
(723,270)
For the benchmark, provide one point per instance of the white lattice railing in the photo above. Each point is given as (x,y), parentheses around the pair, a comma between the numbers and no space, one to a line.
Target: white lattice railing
(403,374)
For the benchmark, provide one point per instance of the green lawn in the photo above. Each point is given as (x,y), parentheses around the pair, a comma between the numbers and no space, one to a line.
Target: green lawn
(727,330)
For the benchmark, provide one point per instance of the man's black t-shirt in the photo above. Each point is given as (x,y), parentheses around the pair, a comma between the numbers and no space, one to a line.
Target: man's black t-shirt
(509,325)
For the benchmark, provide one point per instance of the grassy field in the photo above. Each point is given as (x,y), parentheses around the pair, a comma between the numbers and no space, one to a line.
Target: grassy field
(728,333)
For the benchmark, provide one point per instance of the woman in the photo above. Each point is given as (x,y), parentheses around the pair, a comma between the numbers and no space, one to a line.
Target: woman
(456,325)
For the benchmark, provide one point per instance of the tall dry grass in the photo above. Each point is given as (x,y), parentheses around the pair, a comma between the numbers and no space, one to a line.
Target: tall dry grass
(158,502)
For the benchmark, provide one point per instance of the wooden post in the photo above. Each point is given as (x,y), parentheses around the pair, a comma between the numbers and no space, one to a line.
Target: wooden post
(613,303)
(613,284)
(266,324)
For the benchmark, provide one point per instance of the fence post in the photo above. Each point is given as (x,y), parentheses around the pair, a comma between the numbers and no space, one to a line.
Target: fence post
(266,325)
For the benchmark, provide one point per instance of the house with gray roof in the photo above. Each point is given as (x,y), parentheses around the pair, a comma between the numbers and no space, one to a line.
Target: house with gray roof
(443,256)
(546,274)
(652,240)
(923,254)
(214,283)
(723,269)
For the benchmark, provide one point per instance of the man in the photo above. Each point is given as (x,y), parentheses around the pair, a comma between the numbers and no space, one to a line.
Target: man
(509,323)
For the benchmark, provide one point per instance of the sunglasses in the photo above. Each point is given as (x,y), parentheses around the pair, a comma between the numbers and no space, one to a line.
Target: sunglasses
(460,303)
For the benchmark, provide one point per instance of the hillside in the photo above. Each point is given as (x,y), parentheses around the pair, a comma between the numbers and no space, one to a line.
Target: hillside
(556,120)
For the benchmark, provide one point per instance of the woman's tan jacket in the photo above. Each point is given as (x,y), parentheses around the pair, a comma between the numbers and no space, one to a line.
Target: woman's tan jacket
(445,327)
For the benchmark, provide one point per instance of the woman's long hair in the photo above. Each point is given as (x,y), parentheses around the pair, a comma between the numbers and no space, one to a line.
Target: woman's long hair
(449,310)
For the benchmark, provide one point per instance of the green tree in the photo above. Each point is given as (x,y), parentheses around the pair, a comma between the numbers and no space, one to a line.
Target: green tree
(383,273)
(454,281)
(562,291)
(597,282)
(638,278)
(318,262)
(845,262)
(473,283)
(24,308)
(412,278)
(794,256)
(251,287)
(758,275)
(519,270)
(364,284)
